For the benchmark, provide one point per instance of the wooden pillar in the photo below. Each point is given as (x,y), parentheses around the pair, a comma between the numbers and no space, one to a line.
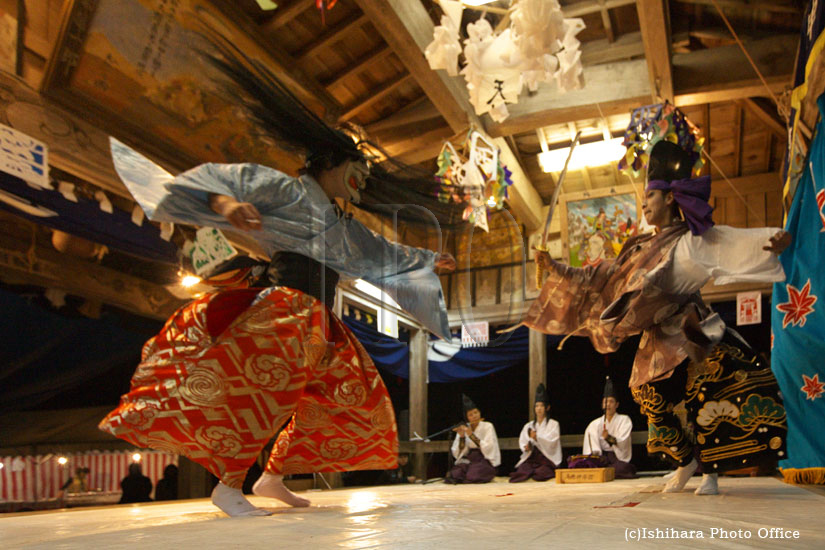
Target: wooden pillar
(538,365)
(418,397)
(194,481)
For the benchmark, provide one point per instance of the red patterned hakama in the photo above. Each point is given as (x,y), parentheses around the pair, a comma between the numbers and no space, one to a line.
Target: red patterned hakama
(223,376)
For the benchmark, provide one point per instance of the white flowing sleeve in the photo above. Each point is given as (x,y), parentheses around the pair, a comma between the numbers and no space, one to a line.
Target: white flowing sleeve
(489,443)
(624,444)
(523,440)
(728,254)
(548,439)
(591,439)
(457,454)
(524,437)
(297,217)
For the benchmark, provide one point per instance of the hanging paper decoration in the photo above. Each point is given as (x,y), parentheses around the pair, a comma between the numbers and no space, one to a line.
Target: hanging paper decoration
(479,177)
(653,123)
(540,45)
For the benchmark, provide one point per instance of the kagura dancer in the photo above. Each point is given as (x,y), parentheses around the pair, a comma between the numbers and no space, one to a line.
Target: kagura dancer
(686,352)
(231,368)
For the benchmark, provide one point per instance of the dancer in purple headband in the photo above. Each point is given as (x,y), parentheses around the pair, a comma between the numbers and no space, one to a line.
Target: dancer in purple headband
(686,352)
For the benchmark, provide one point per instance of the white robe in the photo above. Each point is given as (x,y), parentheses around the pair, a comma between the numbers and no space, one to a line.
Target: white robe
(486,434)
(547,440)
(620,427)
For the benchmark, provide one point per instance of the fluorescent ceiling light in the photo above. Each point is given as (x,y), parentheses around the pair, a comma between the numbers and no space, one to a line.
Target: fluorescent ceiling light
(599,153)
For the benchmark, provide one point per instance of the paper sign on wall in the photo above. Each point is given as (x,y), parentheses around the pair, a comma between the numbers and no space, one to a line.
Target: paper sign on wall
(749,308)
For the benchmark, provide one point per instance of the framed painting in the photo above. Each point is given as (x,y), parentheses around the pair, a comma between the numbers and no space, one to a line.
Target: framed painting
(595,224)
(133,68)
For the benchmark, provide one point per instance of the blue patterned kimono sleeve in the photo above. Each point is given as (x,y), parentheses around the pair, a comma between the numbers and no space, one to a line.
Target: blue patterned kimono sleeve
(296,217)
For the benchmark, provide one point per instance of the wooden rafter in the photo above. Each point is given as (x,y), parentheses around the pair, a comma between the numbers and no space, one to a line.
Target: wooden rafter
(748,5)
(376,95)
(359,66)
(626,46)
(654,25)
(407,29)
(593,6)
(48,268)
(286,14)
(768,117)
(608,26)
(332,36)
(417,110)
(699,77)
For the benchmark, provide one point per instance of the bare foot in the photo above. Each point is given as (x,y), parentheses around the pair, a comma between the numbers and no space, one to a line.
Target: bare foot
(678,481)
(272,486)
(233,503)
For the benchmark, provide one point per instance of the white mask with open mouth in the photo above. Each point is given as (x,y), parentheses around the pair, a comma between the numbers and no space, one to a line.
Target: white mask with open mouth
(355,179)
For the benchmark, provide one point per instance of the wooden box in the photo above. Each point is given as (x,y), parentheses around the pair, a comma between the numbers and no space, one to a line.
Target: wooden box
(585,475)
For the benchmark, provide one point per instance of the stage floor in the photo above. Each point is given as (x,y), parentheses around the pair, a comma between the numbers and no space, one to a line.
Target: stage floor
(471,517)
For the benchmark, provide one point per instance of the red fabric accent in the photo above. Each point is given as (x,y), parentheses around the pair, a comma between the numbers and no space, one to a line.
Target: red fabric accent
(225,308)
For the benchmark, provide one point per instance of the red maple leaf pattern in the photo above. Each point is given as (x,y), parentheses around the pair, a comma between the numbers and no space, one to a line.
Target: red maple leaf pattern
(813,388)
(798,306)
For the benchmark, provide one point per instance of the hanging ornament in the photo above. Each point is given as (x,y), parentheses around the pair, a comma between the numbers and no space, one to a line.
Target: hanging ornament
(539,45)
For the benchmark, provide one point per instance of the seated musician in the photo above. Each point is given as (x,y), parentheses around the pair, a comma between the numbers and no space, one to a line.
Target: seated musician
(609,436)
(475,448)
(540,444)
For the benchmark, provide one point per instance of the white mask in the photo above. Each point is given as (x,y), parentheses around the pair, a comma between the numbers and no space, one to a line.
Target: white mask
(355,179)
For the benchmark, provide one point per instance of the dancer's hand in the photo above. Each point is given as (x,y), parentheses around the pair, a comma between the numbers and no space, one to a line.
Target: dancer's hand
(445,262)
(779,242)
(242,215)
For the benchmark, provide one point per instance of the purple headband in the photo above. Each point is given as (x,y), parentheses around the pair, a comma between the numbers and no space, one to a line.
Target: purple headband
(692,196)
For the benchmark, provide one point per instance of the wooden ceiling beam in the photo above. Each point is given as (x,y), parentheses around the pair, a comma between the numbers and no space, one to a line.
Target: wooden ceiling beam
(614,87)
(748,5)
(654,24)
(419,148)
(253,37)
(767,116)
(626,46)
(706,76)
(407,28)
(418,110)
(593,6)
(51,269)
(332,36)
(78,147)
(286,14)
(376,95)
(608,26)
(358,66)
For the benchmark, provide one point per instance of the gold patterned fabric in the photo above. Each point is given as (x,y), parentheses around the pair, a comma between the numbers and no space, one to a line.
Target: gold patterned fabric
(616,299)
(733,408)
(226,372)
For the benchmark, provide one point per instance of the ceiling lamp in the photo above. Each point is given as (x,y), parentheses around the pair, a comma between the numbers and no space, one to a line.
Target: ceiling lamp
(598,153)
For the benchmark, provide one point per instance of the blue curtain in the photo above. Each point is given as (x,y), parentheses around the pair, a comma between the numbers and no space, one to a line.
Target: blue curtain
(798,316)
(393,356)
(85,219)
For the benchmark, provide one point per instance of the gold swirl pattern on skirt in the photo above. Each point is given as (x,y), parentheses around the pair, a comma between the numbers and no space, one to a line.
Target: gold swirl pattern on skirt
(382,417)
(312,415)
(140,414)
(338,449)
(315,347)
(164,446)
(268,371)
(203,387)
(222,441)
(350,392)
